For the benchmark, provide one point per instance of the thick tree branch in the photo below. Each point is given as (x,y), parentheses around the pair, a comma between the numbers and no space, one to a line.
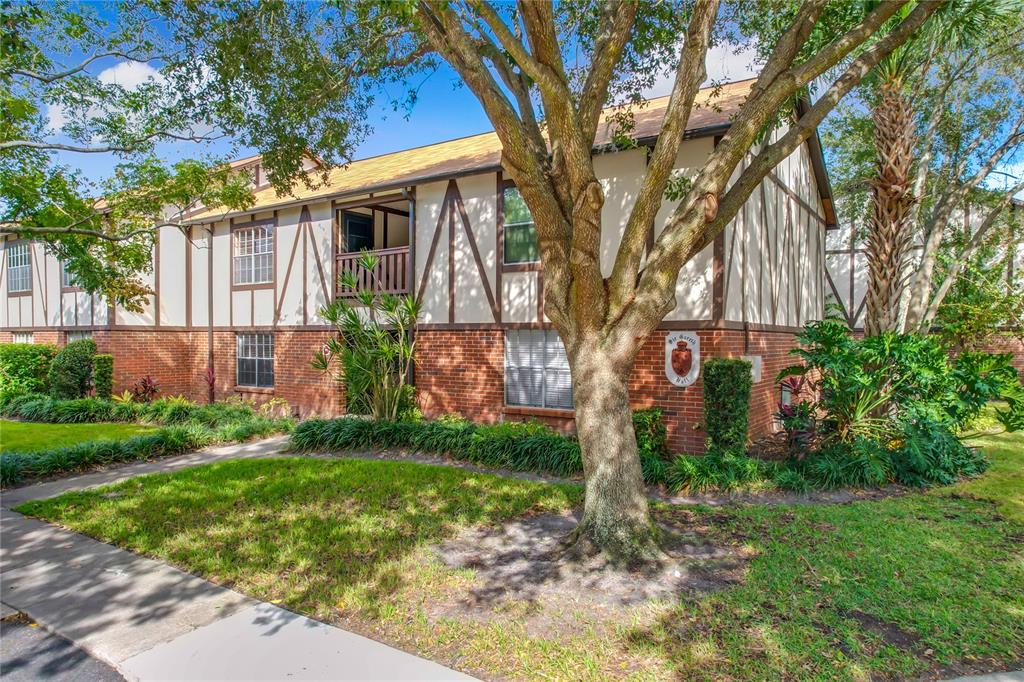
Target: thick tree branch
(616,26)
(690,231)
(690,73)
(137,144)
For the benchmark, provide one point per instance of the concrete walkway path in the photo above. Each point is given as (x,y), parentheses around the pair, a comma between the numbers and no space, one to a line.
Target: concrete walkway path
(153,622)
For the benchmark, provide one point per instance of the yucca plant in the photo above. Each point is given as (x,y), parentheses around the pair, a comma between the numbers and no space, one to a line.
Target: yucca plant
(373,351)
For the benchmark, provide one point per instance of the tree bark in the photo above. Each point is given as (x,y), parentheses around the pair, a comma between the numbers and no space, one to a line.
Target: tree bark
(889,229)
(615,517)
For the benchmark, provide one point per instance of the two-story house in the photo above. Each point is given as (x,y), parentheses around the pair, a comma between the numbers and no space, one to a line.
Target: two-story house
(242,292)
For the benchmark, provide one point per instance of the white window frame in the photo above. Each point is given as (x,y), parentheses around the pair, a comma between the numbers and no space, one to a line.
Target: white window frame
(78,335)
(536,355)
(259,349)
(22,337)
(19,268)
(251,245)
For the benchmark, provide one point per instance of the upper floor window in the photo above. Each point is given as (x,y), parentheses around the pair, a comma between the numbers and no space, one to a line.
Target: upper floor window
(520,232)
(67,278)
(537,369)
(253,255)
(19,268)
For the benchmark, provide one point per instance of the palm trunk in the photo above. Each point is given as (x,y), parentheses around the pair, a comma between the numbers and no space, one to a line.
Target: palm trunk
(615,518)
(889,230)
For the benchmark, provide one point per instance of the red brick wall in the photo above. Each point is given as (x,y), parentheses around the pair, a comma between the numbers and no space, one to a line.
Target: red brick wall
(1008,344)
(462,372)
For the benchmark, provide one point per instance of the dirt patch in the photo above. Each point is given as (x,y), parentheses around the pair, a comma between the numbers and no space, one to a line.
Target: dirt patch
(521,567)
(891,633)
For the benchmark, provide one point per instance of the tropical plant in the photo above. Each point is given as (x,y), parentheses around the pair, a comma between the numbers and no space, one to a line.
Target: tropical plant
(70,374)
(145,389)
(373,351)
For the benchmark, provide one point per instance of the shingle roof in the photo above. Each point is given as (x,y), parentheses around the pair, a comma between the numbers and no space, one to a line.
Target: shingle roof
(476,153)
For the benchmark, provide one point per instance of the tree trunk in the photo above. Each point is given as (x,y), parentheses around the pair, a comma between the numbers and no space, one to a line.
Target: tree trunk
(615,521)
(889,230)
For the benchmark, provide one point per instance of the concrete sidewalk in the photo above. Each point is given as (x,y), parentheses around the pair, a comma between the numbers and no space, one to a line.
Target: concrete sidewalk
(154,622)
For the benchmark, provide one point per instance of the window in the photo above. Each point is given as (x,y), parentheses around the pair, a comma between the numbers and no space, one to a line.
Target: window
(537,369)
(520,233)
(254,255)
(22,337)
(67,278)
(78,336)
(19,268)
(255,360)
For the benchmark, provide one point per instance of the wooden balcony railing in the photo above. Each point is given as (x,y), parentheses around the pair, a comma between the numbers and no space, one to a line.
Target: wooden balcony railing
(393,274)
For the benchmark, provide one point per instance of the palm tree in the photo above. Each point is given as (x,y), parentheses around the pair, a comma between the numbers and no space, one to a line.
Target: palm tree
(890,226)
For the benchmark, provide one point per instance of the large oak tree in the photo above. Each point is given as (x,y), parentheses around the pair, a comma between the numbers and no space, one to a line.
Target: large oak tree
(292,78)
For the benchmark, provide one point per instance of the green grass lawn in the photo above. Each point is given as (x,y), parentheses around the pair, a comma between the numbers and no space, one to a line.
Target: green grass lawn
(32,436)
(927,584)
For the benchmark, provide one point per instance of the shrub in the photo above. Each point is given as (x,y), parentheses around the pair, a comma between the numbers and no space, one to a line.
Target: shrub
(70,372)
(726,403)
(718,469)
(145,389)
(509,445)
(24,368)
(930,454)
(651,434)
(103,375)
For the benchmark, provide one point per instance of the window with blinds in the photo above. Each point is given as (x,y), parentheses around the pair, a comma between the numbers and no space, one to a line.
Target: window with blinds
(253,255)
(19,268)
(255,360)
(536,369)
(67,278)
(22,337)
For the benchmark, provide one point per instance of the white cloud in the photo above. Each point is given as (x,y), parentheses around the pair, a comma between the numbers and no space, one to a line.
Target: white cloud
(724,62)
(128,74)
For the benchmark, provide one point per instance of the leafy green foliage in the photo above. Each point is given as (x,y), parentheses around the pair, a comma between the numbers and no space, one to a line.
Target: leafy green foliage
(24,368)
(373,351)
(70,372)
(727,384)
(103,375)
(517,446)
(718,469)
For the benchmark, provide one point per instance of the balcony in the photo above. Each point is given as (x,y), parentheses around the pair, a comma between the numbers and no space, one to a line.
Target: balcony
(392,275)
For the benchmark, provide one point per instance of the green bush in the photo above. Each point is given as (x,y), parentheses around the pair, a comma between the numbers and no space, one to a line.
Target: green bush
(509,445)
(718,469)
(71,370)
(726,403)
(103,375)
(24,368)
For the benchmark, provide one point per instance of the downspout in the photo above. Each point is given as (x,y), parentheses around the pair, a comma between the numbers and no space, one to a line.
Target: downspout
(211,373)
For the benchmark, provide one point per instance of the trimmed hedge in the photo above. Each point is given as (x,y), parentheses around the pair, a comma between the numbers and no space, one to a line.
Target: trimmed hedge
(103,375)
(24,368)
(71,370)
(510,445)
(727,386)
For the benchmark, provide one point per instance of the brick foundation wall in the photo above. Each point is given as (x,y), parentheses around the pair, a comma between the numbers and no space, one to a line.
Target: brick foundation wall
(462,372)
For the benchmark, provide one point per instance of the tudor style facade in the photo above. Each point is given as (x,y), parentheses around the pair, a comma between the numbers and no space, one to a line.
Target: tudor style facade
(242,293)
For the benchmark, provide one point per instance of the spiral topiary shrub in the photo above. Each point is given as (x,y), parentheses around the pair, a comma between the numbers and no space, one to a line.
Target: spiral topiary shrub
(103,375)
(727,386)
